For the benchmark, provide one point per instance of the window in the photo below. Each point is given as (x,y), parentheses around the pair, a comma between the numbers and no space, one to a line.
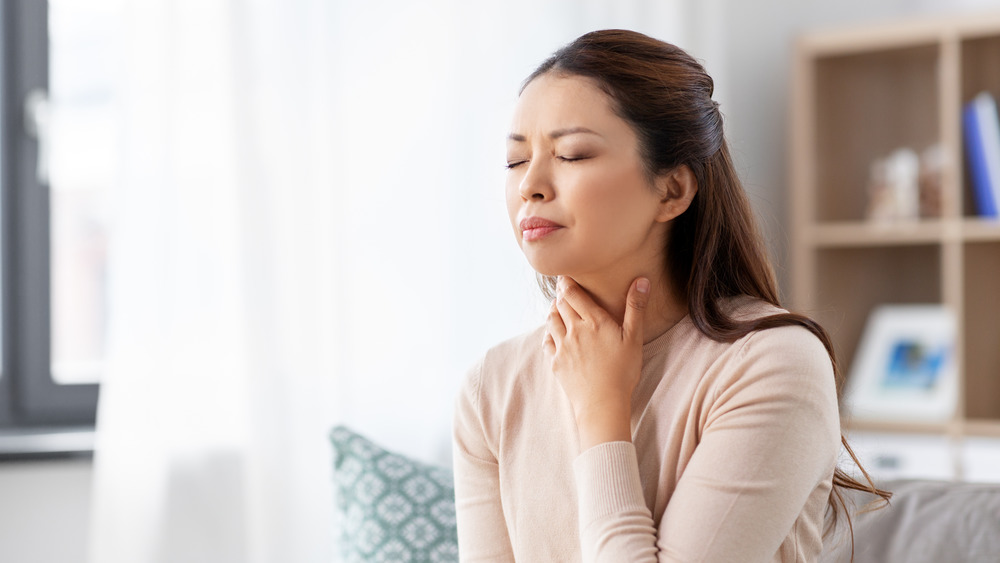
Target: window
(57,164)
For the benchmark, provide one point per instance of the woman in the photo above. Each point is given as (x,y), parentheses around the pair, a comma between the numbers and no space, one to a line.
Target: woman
(669,409)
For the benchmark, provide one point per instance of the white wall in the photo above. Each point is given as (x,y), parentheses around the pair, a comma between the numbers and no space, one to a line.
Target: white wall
(44,511)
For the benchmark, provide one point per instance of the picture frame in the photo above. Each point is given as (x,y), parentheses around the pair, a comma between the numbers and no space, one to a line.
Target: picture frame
(904,369)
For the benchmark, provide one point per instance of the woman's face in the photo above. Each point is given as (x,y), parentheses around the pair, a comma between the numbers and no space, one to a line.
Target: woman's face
(578,197)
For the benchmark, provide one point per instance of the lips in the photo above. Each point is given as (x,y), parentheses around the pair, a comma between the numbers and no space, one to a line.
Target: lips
(536,228)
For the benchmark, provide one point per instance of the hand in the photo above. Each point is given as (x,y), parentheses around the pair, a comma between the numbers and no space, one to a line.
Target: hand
(596,360)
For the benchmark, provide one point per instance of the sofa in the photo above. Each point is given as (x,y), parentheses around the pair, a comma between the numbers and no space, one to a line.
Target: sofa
(392,508)
(925,522)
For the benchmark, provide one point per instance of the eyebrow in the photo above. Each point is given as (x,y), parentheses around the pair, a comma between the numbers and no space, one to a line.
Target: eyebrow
(555,134)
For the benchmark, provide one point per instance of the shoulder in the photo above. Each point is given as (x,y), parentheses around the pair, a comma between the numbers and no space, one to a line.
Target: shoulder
(789,357)
(744,307)
(788,336)
(776,376)
(500,366)
(495,383)
(525,348)
(793,340)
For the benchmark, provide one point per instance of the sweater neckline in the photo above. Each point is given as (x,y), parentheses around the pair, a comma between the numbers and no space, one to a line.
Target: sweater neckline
(654,346)
(739,306)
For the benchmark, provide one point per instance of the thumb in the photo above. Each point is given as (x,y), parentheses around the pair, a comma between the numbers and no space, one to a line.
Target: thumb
(635,305)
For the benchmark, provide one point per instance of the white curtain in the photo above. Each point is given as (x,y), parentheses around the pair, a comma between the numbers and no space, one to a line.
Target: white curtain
(309,229)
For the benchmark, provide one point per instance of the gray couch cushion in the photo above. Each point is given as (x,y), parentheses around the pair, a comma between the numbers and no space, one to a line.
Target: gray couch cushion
(927,521)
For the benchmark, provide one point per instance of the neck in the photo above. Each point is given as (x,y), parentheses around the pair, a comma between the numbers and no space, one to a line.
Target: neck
(663,311)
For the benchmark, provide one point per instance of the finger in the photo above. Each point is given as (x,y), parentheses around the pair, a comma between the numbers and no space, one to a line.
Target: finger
(569,313)
(579,301)
(549,345)
(556,326)
(635,305)
(566,312)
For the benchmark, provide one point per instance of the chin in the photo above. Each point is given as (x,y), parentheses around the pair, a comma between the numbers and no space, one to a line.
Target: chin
(553,262)
(548,269)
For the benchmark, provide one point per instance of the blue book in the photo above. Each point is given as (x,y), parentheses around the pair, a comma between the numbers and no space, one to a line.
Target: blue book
(982,148)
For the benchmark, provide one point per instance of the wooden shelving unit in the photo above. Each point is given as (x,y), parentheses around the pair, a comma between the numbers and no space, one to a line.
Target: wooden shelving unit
(857,95)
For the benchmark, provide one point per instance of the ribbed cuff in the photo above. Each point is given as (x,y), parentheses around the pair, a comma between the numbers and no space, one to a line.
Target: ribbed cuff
(607,481)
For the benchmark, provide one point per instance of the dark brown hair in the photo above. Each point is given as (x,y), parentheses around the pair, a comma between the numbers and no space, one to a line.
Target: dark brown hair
(714,250)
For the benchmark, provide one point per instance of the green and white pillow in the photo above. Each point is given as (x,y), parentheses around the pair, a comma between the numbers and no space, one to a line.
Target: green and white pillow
(391,508)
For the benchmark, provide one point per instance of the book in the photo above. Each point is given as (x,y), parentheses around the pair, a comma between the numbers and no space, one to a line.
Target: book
(982,148)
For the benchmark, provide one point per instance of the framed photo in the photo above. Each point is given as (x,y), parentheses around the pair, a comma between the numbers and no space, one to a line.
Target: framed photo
(904,369)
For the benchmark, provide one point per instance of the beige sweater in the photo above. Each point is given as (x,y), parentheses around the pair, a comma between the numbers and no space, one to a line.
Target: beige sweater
(734,451)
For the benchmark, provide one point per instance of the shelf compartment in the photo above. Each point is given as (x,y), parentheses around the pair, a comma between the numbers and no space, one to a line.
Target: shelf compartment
(867,106)
(980,71)
(853,281)
(981,338)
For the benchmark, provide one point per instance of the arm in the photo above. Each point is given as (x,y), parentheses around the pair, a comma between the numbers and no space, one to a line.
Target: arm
(772,435)
(598,363)
(482,530)
(615,524)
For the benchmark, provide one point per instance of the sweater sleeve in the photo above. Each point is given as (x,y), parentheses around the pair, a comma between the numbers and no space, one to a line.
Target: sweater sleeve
(615,524)
(482,530)
(771,435)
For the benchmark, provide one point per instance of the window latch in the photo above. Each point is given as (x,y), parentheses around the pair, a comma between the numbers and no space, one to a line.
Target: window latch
(36,125)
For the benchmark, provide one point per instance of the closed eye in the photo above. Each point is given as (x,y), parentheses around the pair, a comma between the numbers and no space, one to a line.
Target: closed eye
(515,164)
(572,158)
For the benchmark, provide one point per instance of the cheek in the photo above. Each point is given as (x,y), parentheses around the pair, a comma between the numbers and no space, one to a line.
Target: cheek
(616,203)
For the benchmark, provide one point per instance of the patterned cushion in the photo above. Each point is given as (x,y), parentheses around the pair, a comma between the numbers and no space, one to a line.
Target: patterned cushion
(391,508)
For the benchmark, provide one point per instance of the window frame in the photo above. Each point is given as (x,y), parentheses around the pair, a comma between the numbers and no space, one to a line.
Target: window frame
(29,396)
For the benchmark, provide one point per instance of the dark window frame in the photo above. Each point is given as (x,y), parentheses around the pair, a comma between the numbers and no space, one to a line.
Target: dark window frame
(29,397)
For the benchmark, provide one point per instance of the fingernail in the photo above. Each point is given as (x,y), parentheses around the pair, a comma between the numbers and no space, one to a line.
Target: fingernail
(642,285)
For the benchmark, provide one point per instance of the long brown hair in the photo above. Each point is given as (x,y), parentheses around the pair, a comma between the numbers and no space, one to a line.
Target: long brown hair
(714,250)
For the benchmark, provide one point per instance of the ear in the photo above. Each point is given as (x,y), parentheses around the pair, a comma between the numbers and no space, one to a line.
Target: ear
(678,187)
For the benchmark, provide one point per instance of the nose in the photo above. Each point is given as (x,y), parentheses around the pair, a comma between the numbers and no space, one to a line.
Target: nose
(537,182)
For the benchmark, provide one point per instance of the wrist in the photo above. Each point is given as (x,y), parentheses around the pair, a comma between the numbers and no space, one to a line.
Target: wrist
(606,422)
